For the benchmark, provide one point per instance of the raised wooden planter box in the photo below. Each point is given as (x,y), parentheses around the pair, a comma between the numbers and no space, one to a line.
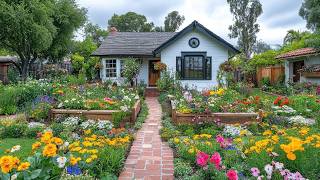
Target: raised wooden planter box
(311,74)
(98,114)
(225,118)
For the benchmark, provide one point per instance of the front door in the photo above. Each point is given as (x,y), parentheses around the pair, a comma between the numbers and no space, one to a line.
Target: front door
(154,75)
(296,67)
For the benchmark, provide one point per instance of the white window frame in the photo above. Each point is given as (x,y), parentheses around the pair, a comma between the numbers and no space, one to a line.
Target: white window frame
(115,68)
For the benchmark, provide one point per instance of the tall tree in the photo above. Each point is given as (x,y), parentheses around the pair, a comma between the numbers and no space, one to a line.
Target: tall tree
(293,35)
(245,14)
(260,47)
(38,29)
(173,21)
(95,32)
(310,11)
(130,22)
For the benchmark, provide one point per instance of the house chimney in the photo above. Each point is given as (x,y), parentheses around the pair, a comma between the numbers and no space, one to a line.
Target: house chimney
(113,30)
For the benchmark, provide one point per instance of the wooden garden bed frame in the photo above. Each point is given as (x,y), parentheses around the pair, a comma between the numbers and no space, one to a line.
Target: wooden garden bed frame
(225,118)
(97,114)
(311,74)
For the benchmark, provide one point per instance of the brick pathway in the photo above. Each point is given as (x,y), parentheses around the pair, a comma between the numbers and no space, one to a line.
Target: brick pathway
(149,158)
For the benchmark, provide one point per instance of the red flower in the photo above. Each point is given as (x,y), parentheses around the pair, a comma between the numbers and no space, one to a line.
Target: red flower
(202,159)
(284,102)
(276,102)
(216,160)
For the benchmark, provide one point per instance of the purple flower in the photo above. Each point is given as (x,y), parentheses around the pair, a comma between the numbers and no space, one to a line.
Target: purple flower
(74,170)
(255,172)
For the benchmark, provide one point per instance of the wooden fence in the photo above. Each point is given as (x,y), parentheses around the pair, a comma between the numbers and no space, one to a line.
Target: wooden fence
(273,73)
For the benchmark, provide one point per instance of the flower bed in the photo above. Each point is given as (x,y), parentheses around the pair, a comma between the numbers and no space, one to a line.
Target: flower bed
(98,114)
(224,106)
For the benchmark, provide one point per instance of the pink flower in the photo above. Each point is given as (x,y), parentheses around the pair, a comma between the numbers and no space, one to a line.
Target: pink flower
(216,160)
(219,139)
(107,99)
(232,175)
(255,172)
(202,159)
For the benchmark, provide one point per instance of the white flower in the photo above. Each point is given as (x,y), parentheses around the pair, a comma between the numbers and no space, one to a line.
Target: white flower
(75,136)
(269,169)
(61,161)
(278,166)
(14,177)
(35,124)
(66,101)
(232,131)
(71,121)
(60,105)
(15,148)
(73,99)
(300,120)
(136,97)
(124,108)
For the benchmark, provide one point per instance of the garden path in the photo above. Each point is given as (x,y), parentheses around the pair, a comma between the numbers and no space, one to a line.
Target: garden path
(149,158)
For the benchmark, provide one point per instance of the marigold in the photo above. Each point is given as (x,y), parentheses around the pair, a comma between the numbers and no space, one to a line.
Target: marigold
(267,133)
(74,160)
(291,156)
(24,166)
(57,141)
(6,163)
(36,145)
(46,137)
(50,150)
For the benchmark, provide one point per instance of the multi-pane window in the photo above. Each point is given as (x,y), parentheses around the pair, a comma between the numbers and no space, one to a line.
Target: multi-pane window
(194,66)
(111,68)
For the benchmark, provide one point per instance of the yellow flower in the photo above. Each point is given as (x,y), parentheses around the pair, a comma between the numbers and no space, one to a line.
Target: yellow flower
(269,150)
(24,166)
(267,133)
(304,131)
(208,143)
(87,144)
(50,150)
(191,151)
(36,145)
(238,140)
(6,163)
(291,156)
(89,160)
(74,160)
(93,156)
(87,132)
(57,141)
(176,140)
(275,138)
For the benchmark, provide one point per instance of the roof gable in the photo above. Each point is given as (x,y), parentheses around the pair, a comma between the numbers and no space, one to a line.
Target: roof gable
(197,26)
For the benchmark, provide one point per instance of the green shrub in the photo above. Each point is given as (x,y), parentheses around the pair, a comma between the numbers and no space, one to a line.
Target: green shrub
(130,70)
(14,131)
(57,128)
(33,131)
(166,81)
(142,116)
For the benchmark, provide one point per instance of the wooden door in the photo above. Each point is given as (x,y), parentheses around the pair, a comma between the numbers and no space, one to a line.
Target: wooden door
(154,75)
(296,67)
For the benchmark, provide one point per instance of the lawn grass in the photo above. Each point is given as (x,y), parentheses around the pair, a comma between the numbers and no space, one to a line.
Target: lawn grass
(25,144)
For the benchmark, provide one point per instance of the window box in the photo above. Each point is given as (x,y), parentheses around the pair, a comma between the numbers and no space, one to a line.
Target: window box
(311,74)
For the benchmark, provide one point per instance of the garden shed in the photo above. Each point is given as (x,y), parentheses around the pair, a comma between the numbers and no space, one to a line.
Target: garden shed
(302,65)
(5,62)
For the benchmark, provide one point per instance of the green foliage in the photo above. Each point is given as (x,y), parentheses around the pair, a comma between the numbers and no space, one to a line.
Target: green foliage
(245,28)
(14,130)
(25,143)
(33,28)
(118,117)
(310,11)
(182,169)
(142,116)
(265,59)
(95,32)
(130,22)
(57,128)
(166,82)
(32,132)
(173,21)
(131,69)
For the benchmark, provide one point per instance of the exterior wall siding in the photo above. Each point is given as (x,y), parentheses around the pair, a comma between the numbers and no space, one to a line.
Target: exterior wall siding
(218,53)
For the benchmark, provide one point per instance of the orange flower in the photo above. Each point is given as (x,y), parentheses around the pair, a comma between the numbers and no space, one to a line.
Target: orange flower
(50,150)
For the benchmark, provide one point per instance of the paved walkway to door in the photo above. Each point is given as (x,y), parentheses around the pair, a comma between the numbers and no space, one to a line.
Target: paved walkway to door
(149,158)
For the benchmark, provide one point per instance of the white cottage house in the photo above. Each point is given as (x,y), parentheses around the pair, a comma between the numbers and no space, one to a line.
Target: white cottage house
(195,53)
(302,65)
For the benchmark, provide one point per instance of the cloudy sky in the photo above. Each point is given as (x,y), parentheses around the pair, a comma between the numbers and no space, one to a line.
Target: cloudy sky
(278,16)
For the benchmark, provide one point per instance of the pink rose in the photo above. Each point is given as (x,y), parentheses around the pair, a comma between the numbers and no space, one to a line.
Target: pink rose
(219,139)
(202,159)
(216,160)
(232,175)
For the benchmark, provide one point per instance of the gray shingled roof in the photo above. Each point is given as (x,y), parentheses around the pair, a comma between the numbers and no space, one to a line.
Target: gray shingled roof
(132,43)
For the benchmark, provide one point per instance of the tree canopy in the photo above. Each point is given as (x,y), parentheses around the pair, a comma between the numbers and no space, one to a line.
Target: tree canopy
(245,14)
(95,32)
(130,22)
(173,21)
(38,28)
(310,11)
